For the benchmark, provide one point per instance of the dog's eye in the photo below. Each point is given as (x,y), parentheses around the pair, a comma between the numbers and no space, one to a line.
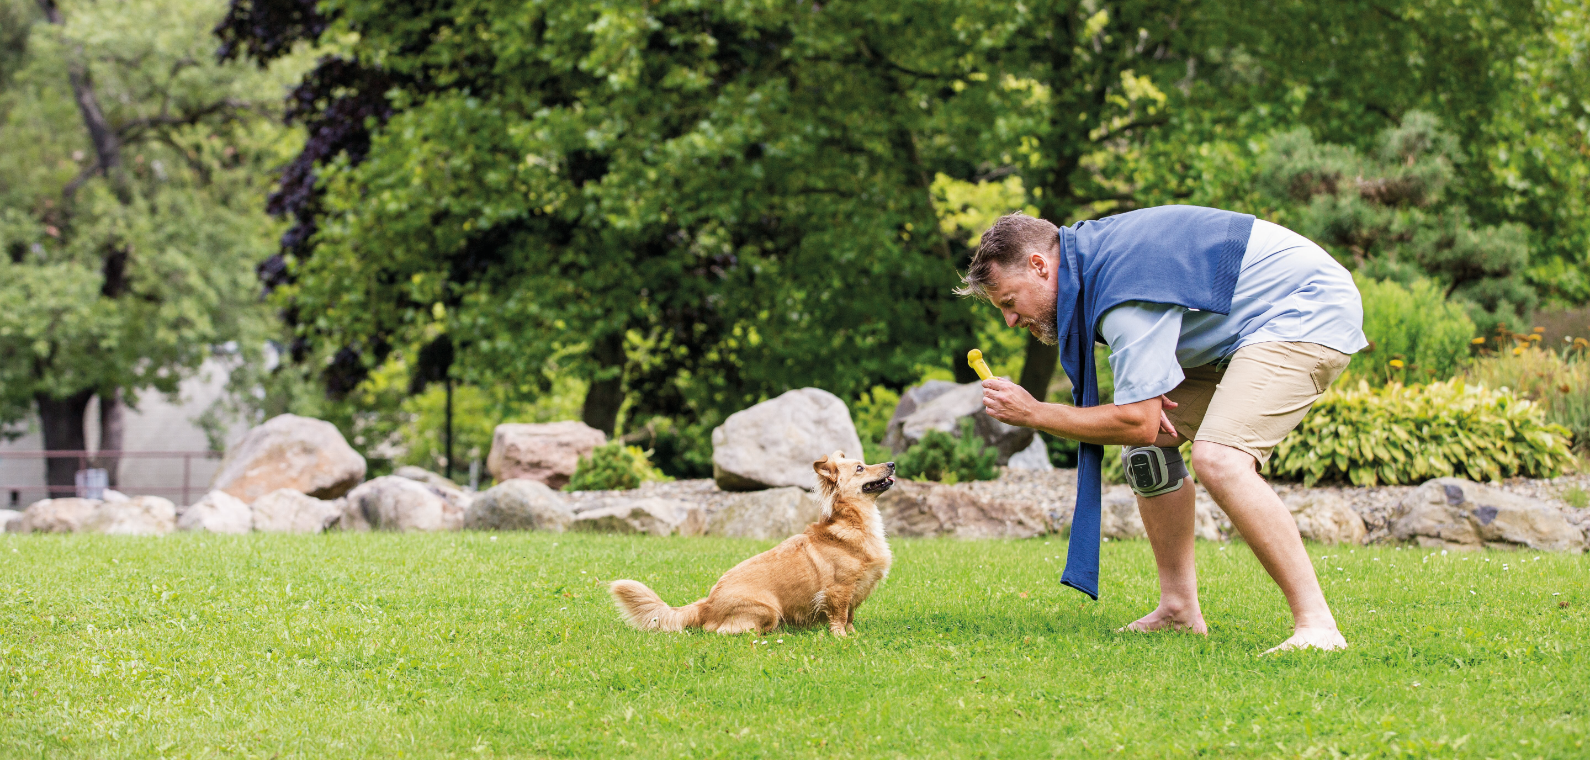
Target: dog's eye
(859,468)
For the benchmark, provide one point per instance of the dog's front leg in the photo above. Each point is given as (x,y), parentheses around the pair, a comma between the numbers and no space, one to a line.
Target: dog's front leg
(839,608)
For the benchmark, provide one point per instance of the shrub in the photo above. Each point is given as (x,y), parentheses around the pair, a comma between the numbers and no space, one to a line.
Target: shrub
(613,467)
(1404,435)
(1415,334)
(1558,382)
(948,459)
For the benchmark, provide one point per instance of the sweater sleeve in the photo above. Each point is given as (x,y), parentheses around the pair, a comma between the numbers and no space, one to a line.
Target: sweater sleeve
(1142,338)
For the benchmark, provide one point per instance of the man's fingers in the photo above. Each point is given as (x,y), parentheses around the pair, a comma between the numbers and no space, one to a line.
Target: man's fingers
(1165,402)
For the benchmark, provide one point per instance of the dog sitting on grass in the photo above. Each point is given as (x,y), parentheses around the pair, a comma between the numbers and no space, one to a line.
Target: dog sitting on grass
(825,572)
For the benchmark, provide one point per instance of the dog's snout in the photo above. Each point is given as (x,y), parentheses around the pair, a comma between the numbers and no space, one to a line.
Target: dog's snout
(889,465)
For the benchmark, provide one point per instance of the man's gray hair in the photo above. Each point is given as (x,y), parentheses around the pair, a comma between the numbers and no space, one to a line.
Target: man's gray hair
(1012,237)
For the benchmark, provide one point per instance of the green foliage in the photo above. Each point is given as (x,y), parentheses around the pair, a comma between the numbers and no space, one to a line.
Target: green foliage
(614,467)
(125,278)
(1415,333)
(1403,435)
(1560,383)
(486,638)
(950,459)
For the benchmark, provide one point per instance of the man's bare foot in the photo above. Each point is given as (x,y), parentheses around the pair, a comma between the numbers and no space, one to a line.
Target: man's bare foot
(1324,639)
(1163,619)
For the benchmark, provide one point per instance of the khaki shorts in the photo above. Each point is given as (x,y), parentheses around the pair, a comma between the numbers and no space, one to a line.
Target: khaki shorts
(1256,398)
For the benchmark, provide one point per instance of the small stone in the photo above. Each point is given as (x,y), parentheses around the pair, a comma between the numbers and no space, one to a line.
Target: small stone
(217,512)
(287,511)
(519,505)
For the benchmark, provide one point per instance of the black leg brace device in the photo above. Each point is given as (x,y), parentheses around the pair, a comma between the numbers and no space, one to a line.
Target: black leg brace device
(1153,470)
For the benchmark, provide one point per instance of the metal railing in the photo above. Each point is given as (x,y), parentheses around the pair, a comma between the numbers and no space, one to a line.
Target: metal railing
(87,459)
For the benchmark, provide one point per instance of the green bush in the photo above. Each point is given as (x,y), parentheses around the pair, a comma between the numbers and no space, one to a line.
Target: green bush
(1405,435)
(1558,382)
(613,467)
(948,459)
(1415,333)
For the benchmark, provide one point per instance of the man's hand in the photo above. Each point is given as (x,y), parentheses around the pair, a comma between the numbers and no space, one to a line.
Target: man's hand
(1008,402)
(1164,420)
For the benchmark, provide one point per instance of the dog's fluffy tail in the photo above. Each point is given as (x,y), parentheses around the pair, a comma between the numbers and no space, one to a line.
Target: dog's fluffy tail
(643,609)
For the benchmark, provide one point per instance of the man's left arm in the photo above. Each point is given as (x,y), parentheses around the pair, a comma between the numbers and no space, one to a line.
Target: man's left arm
(1142,423)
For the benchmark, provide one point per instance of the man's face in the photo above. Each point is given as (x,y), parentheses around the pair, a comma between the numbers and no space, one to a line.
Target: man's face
(1025,293)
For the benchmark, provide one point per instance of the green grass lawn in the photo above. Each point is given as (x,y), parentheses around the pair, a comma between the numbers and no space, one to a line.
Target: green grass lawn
(472,645)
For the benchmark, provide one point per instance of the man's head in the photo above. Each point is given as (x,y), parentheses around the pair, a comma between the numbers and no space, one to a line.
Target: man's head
(1015,268)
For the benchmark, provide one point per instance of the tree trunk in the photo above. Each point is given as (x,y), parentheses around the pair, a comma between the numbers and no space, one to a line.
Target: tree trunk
(61,421)
(1038,368)
(606,394)
(111,428)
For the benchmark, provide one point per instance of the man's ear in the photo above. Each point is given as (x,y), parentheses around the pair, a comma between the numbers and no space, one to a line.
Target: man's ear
(1039,265)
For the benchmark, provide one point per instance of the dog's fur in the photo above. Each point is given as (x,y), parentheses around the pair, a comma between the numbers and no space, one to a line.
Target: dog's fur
(823,573)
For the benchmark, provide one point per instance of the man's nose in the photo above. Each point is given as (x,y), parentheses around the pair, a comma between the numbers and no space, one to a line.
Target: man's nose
(1011,318)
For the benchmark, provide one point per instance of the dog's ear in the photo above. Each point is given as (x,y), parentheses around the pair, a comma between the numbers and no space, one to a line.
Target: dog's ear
(827,468)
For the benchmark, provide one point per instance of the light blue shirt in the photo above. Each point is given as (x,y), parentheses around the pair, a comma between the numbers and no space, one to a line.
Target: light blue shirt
(1288,289)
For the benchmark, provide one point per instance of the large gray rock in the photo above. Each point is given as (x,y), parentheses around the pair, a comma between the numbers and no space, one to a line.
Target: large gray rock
(288,511)
(649,515)
(772,514)
(65,515)
(217,512)
(548,452)
(930,509)
(945,411)
(139,516)
(519,505)
(1120,517)
(773,444)
(911,400)
(1034,457)
(1460,514)
(1325,517)
(400,504)
(288,451)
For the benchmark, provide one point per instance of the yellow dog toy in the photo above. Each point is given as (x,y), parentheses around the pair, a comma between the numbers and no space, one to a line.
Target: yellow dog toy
(974,358)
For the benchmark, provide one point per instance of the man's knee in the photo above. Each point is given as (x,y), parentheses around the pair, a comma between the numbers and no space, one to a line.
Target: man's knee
(1217,462)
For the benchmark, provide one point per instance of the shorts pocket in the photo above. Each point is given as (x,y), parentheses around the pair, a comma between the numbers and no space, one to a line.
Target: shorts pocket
(1328,367)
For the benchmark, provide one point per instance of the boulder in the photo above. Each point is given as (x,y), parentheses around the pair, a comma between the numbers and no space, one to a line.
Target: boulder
(546,452)
(945,411)
(519,505)
(1034,457)
(425,476)
(773,444)
(911,400)
(1325,517)
(773,514)
(66,515)
(287,511)
(1121,519)
(217,512)
(930,509)
(138,516)
(447,489)
(1460,514)
(288,451)
(650,515)
(9,517)
(400,504)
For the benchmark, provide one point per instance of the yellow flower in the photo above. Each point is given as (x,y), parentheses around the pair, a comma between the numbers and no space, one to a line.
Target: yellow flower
(1518,351)
(1581,343)
(1534,337)
(1396,363)
(1478,341)
(1539,330)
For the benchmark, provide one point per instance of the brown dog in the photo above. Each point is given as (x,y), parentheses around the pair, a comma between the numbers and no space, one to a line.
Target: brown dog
(827,571)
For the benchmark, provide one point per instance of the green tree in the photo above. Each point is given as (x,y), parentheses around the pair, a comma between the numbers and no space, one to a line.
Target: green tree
(130,168)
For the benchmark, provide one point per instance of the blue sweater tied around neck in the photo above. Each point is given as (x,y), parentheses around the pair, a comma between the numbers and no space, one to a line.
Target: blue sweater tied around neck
(1186,256)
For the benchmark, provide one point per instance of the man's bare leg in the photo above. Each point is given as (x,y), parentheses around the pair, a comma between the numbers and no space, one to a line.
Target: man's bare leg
(1169,521)
(1269,529)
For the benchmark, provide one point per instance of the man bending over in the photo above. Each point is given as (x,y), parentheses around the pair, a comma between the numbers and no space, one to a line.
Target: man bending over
(1222,329)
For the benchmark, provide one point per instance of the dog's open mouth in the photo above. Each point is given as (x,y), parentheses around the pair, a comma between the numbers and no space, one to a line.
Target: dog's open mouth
(878,486)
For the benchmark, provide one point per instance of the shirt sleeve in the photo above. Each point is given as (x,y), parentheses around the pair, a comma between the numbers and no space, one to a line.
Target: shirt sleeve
(1142,338)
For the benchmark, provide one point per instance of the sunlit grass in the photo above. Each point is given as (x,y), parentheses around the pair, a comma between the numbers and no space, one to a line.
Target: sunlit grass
(474,645)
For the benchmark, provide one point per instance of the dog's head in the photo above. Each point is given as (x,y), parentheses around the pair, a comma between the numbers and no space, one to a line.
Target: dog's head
(838,477)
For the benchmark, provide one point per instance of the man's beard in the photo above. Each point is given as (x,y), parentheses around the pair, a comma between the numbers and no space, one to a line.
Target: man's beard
(1043,326)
